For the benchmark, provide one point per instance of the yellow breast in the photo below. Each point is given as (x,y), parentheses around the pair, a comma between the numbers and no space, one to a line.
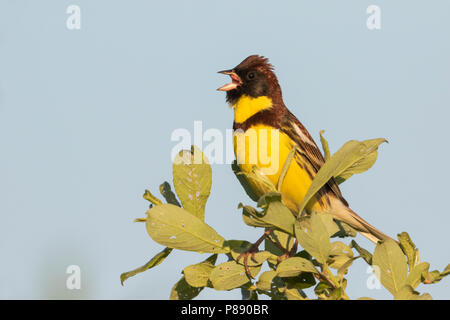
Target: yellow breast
(267,148)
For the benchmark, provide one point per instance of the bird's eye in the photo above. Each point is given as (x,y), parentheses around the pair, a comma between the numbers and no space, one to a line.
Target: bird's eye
(251,75)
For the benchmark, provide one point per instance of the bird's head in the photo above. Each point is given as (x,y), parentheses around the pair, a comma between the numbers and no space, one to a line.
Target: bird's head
(253,77)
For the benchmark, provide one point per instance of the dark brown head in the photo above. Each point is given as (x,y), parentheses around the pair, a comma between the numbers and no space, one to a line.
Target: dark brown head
(253,77)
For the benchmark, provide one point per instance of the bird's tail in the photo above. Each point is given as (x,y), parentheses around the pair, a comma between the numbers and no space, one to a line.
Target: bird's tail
(350,217)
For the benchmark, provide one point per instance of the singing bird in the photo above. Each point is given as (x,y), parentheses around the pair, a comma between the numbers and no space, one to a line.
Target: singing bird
(255,96)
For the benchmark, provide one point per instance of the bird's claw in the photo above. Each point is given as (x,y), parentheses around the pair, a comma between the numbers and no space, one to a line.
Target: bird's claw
(249,253)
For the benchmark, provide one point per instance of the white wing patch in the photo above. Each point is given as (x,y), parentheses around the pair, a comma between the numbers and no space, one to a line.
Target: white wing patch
(302,136)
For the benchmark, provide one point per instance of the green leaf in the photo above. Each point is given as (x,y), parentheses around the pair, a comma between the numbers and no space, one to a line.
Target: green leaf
(366,255)
(167,193)
(244,182)
(230,275)
(342,270)
(338,248)
(392,263)
(279,216)
(340,255)
(176,228)
(268,198)
(329,223)
(156,260)
(325,147)
(197,275)
(364,154)
(408,293)
(254,222)
(417,274)
(285,168)
(183,291)
(265,280)
(292,267)
(277,289)
(275,214)
(313,236)
(250,216)
(303,281)
(192,180)
(354,157)
(409,248)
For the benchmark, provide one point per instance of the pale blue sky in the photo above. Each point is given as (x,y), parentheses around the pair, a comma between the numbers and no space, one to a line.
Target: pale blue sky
(86,118)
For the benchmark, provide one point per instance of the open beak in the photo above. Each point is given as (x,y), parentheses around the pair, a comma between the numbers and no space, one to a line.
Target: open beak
(235,81)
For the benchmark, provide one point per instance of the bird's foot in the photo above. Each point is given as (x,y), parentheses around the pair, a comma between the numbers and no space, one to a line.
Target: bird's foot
(250,253)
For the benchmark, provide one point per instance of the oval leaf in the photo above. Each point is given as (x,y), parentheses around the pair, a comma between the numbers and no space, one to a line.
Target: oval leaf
(250,217)
(292,267)
(230,275)
(275,214)
(329,223)
(279,216)
(265,280)
(392,263)
(183,291)
(197,275)
(338,248)
(313,236)
(192,180)
(364,157)
(354,157)
(176,228)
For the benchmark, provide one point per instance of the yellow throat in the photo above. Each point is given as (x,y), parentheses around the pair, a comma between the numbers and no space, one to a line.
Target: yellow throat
(247,106)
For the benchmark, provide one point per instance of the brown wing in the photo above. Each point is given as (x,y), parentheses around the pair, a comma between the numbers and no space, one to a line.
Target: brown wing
(308,150)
